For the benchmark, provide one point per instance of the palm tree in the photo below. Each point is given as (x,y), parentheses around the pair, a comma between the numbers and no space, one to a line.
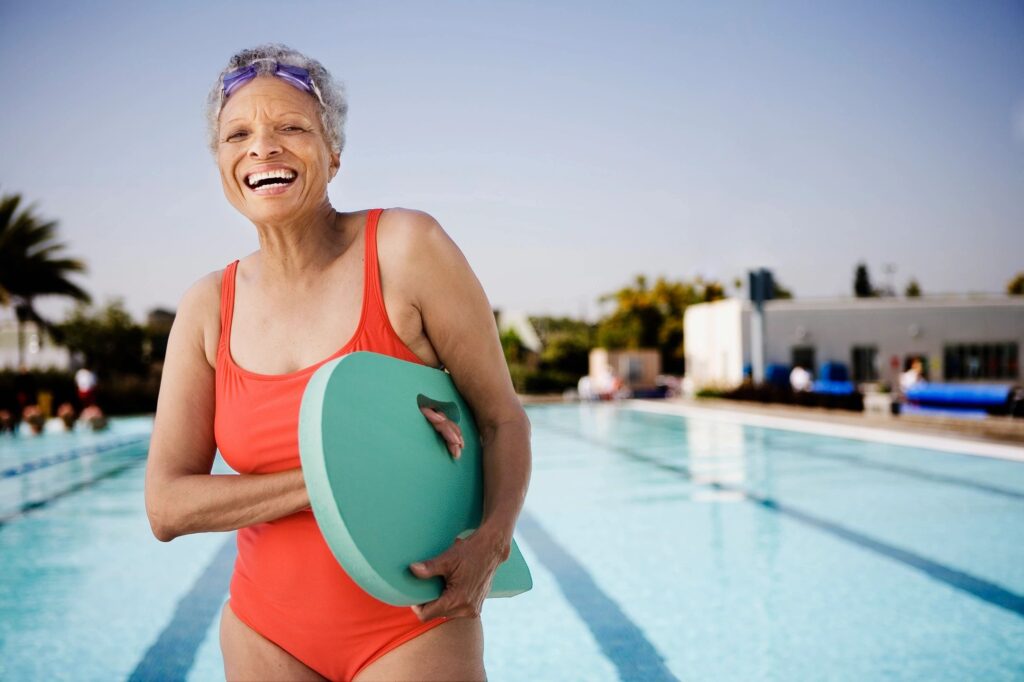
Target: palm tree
(31,265)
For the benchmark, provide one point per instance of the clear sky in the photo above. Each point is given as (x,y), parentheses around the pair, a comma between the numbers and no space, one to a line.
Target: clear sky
(565,146)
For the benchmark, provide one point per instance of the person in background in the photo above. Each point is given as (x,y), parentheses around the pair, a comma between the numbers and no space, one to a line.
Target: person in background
(66,413)
(800,379)
(94,417)
(86,382)
(607,383)
(913,376)
(35,419)
(6,421)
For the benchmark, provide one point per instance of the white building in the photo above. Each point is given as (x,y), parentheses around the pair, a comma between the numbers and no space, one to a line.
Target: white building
(975,338)
(40,351)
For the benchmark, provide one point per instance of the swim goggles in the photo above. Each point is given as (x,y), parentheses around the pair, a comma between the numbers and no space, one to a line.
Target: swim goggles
(294,75)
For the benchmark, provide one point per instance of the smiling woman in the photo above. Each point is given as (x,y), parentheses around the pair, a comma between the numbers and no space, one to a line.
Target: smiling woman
(244,344)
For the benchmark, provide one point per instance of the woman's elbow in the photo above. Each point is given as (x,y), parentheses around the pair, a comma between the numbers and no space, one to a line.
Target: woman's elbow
(162,530)
(160,521)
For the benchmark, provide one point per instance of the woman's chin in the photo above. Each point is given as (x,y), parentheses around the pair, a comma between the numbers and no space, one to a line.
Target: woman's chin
(260,207)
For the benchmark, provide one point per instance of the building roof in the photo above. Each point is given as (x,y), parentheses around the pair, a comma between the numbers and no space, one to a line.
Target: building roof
(888,302)
(520,322)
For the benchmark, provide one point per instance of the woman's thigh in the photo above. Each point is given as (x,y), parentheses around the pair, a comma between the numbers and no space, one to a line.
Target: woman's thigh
(454,650)
(248,655)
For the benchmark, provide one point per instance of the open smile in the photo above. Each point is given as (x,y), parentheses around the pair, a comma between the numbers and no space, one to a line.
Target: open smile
(273,181)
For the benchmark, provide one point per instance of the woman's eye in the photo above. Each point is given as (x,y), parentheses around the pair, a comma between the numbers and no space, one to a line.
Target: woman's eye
(235,134)
(292,128)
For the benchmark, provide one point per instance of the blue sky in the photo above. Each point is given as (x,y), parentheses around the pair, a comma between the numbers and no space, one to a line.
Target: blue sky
(565,146)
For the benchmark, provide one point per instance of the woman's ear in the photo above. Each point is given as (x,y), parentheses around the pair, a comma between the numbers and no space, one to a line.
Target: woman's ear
(335,164)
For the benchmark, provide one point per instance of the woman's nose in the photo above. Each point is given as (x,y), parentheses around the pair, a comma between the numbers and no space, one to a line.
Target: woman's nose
(263,145)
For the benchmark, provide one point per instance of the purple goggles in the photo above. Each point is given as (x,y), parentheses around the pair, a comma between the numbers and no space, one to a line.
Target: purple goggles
(294,75)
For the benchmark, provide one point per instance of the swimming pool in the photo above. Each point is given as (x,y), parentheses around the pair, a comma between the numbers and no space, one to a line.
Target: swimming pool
(662,547)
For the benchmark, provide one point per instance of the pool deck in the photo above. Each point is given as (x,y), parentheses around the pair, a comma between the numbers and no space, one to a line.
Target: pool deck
(1000,437)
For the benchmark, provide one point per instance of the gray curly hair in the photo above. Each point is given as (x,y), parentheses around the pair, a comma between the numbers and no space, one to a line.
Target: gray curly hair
(333,111)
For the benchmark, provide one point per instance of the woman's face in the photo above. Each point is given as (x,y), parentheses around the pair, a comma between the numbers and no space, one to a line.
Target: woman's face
(269,125)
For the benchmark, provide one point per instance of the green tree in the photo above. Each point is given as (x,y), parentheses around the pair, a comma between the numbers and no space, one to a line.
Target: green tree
(109,338)
(781,291)
(862,283)
(32,265)
(565,344)
(512,346)
(636,320)
(652,317)
(1015,287)
(913,289)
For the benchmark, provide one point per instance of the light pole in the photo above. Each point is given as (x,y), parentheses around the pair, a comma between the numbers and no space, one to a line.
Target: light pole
(762,288)
(890,282)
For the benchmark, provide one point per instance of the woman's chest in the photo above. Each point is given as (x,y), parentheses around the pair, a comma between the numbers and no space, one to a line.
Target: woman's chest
(256,422)
(281,334)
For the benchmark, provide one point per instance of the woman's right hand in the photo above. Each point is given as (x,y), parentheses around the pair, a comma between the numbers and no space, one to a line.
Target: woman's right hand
(448,429)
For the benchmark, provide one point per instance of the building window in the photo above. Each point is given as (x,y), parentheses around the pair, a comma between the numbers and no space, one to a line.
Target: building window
(981,361)
(803,356)
(865,363)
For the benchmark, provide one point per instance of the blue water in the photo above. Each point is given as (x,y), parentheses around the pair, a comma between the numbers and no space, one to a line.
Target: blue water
(661,547)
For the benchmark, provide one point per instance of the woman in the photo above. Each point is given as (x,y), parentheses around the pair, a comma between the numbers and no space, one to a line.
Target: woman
(244,343)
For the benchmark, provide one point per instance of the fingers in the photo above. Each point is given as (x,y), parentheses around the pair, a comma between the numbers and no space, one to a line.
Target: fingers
(463,592)
(448,429)
(425,569)
(446,605)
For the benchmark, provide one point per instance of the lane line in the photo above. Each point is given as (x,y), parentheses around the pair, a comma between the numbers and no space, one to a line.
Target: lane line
(948,444)
(172,655)
(620,639)
(70,455)
(28,507)
(980,588)
(867,463)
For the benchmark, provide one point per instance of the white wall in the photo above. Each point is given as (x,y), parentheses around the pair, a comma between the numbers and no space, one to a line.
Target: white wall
(898,328)
(40,351)
(713,338)
(717,335)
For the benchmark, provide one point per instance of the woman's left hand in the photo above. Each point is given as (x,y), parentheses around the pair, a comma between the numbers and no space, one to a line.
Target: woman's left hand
(468,569)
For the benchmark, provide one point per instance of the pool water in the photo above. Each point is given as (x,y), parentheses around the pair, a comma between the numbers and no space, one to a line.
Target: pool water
(662,547)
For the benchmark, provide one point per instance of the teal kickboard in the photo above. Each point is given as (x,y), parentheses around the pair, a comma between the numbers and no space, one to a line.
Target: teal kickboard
(383,487)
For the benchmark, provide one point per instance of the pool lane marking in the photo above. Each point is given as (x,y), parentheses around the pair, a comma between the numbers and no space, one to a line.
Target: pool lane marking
(172,655)
(956,446)
(620,639)
(28,507)
(912,472)
(68,456)
(978,587)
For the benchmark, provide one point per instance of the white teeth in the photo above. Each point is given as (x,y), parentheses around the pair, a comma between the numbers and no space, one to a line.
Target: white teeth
(279,173)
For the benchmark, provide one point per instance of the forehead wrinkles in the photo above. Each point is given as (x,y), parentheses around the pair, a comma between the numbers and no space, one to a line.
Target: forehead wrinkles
(263,102)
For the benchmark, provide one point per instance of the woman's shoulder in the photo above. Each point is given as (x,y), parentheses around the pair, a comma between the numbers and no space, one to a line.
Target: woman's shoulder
(202,295)
(418,250)
(409,229)
(198,313)
(415,239)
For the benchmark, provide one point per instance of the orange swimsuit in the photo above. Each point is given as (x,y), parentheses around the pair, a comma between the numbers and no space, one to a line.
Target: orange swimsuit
(287,585)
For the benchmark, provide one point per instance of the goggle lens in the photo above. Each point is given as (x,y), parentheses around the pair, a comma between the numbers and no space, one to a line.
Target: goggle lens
(295,75)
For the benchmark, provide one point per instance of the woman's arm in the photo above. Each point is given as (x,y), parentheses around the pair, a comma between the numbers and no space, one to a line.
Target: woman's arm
(182,496)
(458,320)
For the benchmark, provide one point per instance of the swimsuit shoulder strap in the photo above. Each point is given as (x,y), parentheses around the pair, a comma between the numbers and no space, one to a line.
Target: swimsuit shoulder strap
(374,297)
(227,305)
